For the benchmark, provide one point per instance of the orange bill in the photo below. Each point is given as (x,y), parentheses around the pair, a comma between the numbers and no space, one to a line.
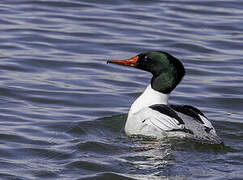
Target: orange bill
(128,62)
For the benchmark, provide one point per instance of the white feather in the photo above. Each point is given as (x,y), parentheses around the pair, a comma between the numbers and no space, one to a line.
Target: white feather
(206,121)
(150,120)
(148,98)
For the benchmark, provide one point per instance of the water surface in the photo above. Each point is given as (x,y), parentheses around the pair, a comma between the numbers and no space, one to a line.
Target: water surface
(62,108)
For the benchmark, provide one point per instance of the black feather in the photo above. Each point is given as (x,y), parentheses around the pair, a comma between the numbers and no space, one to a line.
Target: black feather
(183,130)
(189,111)
(167,110)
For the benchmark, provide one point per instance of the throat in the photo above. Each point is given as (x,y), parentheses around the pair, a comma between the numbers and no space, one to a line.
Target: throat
(147,98)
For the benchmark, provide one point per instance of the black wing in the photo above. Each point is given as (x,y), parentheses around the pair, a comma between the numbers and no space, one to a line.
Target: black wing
(189,111)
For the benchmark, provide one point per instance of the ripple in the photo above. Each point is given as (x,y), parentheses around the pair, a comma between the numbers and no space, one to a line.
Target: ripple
(107,175)
(98,167)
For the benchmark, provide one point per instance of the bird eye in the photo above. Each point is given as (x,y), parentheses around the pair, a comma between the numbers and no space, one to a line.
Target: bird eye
(147,59)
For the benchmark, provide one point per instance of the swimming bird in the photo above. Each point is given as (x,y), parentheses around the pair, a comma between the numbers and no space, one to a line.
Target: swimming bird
(152,115)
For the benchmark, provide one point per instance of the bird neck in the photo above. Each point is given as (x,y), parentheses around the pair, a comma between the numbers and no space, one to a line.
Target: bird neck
(148,98)
(164,82)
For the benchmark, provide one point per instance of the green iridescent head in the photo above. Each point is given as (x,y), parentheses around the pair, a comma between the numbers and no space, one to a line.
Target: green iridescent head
(167,70)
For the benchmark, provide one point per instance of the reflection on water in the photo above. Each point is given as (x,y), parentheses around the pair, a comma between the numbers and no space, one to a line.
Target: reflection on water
(62,109)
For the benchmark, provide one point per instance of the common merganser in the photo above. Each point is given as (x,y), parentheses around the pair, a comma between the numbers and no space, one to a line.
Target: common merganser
(151,115)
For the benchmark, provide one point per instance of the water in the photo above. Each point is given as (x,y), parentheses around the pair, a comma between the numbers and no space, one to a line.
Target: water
(62,108)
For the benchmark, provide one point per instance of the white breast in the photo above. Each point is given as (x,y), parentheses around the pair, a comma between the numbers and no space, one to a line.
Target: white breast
(148,98)
(139,111)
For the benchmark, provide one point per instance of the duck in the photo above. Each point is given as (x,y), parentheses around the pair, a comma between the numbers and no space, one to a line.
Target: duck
(151,115)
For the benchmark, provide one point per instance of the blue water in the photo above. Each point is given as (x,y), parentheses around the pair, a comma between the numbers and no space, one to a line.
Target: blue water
(62,108)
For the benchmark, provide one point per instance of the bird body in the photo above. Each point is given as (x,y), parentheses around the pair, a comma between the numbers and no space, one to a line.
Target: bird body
(151,115)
